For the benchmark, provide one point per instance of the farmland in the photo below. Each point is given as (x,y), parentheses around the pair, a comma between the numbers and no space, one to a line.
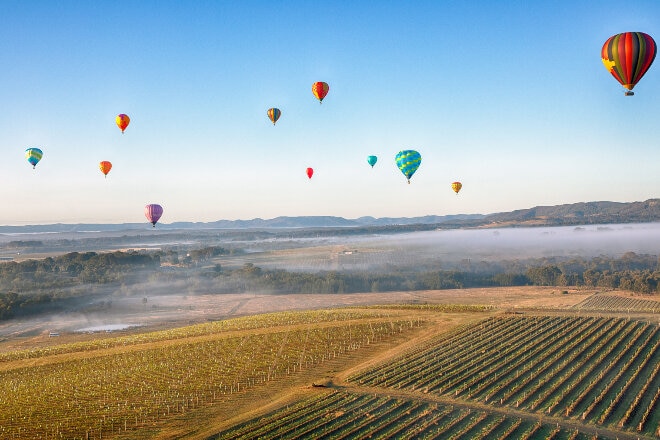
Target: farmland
(508,376)
(354,415)
(470,363)
(600,370)
(91,391)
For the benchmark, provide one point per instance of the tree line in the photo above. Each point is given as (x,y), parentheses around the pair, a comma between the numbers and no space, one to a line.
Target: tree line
(33,286)
(638,273)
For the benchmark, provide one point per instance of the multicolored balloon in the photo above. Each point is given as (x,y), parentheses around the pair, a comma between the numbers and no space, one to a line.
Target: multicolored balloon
(320,90)
(310,172)
(122,121)
(371,160)
(153,212)
(105,167)
(408,161)
(456,186)
(274,114)
(628,56)
(33,155)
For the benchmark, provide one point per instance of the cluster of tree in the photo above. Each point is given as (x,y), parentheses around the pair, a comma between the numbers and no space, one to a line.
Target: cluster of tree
(194,256)
(638,273)
(73,269)
(28,286)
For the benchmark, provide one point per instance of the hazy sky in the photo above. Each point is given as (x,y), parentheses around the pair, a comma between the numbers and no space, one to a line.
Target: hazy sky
(509,97)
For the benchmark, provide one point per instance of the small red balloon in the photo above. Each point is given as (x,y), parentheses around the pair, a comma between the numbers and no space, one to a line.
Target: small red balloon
(310,172)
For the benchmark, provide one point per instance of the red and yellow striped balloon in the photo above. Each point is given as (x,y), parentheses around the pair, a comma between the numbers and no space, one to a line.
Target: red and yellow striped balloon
(628,56)
(320,90)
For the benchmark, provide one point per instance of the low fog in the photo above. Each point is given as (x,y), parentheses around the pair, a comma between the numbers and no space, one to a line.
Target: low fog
(447,248)
(512,243)
(151,302)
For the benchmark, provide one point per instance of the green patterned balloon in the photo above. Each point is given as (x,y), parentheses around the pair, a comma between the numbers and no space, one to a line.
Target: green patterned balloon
(408,161)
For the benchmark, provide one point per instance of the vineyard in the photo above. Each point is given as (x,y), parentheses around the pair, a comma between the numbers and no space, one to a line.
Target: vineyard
(347,415)
(462,372)
(618,303)
(88,390)
(602,371)
(267,320)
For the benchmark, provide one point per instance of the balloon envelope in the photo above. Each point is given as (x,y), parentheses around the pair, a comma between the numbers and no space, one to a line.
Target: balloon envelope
(274,114)
(456,186)
(33,155)
(310,172)
(628,56)
(320,90)
(122,121)
(153,212)
(408,161)
(371,160)
(105,167)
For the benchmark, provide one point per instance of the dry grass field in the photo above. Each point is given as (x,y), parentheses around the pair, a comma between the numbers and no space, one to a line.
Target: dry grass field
(192,373)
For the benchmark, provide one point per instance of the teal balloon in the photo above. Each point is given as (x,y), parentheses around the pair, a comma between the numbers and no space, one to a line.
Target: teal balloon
(33,155)
(408,161)
(371,160)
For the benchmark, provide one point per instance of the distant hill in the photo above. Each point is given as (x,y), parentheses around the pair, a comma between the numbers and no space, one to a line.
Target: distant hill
(580,213)
(329,221)
(570,214)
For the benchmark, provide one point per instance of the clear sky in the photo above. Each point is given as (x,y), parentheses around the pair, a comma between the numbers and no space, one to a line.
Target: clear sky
(509,97)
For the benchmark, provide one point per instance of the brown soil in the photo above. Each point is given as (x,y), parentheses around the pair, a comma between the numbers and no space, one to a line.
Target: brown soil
(258,402)
(206,421)
(169,311)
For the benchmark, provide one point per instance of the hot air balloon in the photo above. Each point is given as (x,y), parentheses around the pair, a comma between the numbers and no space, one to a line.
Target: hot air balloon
(456,186)
(33,155)
(320,89)
(122,121)
(371,160)
(628,56)
(274,114)
(105,167)
(310,172)
(153,212)
(408,161)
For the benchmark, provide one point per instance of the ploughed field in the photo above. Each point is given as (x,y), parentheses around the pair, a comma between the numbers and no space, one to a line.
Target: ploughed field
(585,371)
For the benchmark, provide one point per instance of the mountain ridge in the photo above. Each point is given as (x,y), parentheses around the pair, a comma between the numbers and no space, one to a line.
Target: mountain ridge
(599,212)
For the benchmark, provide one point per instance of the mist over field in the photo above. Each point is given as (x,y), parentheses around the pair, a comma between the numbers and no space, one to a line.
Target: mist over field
(183,293)
(582,241)
(451,246)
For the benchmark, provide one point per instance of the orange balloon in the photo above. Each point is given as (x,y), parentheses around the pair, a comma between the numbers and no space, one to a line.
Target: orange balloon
(122,121)
(456,186)
(320,90)
(105,167)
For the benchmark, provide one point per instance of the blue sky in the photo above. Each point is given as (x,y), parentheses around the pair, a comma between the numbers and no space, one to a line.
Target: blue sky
(509,97)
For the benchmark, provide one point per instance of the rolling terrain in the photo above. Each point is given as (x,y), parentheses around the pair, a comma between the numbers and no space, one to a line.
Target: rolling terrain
(482,363)
(165,338)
